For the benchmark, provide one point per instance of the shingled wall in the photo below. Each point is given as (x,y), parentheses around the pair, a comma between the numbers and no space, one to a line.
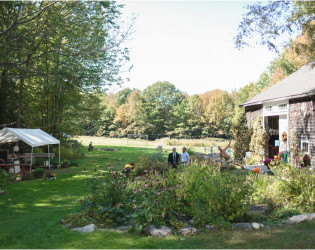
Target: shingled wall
(302,120)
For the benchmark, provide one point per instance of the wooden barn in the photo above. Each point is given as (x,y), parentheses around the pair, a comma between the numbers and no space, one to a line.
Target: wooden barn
(287,109)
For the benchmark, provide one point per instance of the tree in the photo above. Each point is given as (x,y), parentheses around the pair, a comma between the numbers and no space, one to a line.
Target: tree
(265,22)
(159,100)
(218,114)
(55,55)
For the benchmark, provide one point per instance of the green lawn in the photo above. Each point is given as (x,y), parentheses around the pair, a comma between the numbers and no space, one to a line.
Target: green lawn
(31,211)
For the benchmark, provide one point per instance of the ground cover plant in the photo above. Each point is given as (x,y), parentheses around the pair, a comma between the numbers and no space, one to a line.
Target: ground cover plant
(31,212)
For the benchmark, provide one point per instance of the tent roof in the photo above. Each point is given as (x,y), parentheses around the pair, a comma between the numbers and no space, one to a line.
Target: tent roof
(301,83)
(32,137)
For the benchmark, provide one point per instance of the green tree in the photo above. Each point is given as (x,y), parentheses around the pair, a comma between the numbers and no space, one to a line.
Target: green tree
(265,22)
(159,100)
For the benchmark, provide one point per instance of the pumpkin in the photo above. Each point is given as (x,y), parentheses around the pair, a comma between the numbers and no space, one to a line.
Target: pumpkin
(256,170)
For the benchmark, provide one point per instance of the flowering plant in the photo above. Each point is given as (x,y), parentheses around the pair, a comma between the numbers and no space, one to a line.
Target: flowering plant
(267,161)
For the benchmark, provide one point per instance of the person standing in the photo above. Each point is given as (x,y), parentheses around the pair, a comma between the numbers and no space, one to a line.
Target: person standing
(185,158)
(173,158)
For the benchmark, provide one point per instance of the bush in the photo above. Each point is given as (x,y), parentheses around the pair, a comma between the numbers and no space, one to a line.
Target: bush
(5,178)
(69,153)
(206,142)
(242,136)
(214,195)
(281,214)
(201,191)
(258,140)
(290,187)
(38,173)
(154,162)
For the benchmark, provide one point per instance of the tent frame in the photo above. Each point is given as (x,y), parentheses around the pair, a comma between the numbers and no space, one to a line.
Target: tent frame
(48,158)
(8,135)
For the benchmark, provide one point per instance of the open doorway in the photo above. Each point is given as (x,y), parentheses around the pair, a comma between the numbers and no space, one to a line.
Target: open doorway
(273,131)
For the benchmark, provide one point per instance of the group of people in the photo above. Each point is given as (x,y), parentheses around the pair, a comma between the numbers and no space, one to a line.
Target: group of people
(175,158)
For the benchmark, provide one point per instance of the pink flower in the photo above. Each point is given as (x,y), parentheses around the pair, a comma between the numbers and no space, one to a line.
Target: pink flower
(163,215)
(146,185)
(145,171)
(109,168)
(134,200)
(136,191)
(158,193)
(118,204)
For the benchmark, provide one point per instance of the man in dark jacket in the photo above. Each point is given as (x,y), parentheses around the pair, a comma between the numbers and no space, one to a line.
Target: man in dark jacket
(173,158)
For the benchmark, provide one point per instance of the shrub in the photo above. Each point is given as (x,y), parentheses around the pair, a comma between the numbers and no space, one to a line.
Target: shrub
(69,153)
(280,214)
(5,178)
(242,136)
(212,194)
(290,187)
(201,191)
(154,162)
(258,140)
(38,173)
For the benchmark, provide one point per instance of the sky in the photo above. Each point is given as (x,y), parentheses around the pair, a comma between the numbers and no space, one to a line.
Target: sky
(191,45)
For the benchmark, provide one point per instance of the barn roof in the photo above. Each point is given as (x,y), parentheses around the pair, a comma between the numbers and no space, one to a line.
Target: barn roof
(301,83)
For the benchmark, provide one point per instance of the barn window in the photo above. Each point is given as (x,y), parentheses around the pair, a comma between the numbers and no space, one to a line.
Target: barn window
(305,146)
(268,108)
(282,106)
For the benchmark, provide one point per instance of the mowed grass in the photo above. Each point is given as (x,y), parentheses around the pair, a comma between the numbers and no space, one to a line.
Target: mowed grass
(31,211)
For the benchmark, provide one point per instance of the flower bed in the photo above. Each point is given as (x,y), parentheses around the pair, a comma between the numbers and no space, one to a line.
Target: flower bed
(200,193)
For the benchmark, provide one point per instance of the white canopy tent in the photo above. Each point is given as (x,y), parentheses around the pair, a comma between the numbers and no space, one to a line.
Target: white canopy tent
(32,137)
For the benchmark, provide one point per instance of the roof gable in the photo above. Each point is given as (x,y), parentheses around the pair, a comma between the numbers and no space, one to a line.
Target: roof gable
(301,83)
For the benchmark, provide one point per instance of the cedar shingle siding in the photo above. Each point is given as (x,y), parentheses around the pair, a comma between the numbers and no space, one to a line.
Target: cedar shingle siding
(252,112)
(302,120)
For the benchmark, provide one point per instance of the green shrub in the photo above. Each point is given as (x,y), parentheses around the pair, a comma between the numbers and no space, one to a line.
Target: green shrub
(290,187)
(69,153)
(242,136)
(38,173)
(212,194)
(5,178)
(280,214)
(74,163)
(258,140)
(154,162)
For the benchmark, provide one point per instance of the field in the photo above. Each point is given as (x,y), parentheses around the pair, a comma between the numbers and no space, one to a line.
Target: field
(31,211)
(197,145)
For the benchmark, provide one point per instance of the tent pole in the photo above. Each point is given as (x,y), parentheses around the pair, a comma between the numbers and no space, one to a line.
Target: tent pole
(48,158)
(31,161)
(59,155)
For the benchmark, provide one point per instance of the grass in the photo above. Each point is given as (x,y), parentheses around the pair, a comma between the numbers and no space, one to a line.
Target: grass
(197,145)
(30,214)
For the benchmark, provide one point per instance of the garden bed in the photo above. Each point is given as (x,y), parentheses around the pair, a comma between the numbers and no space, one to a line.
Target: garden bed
(202,192)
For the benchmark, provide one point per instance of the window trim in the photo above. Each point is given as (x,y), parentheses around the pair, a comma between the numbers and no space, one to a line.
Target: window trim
(308,147)
(283,106)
